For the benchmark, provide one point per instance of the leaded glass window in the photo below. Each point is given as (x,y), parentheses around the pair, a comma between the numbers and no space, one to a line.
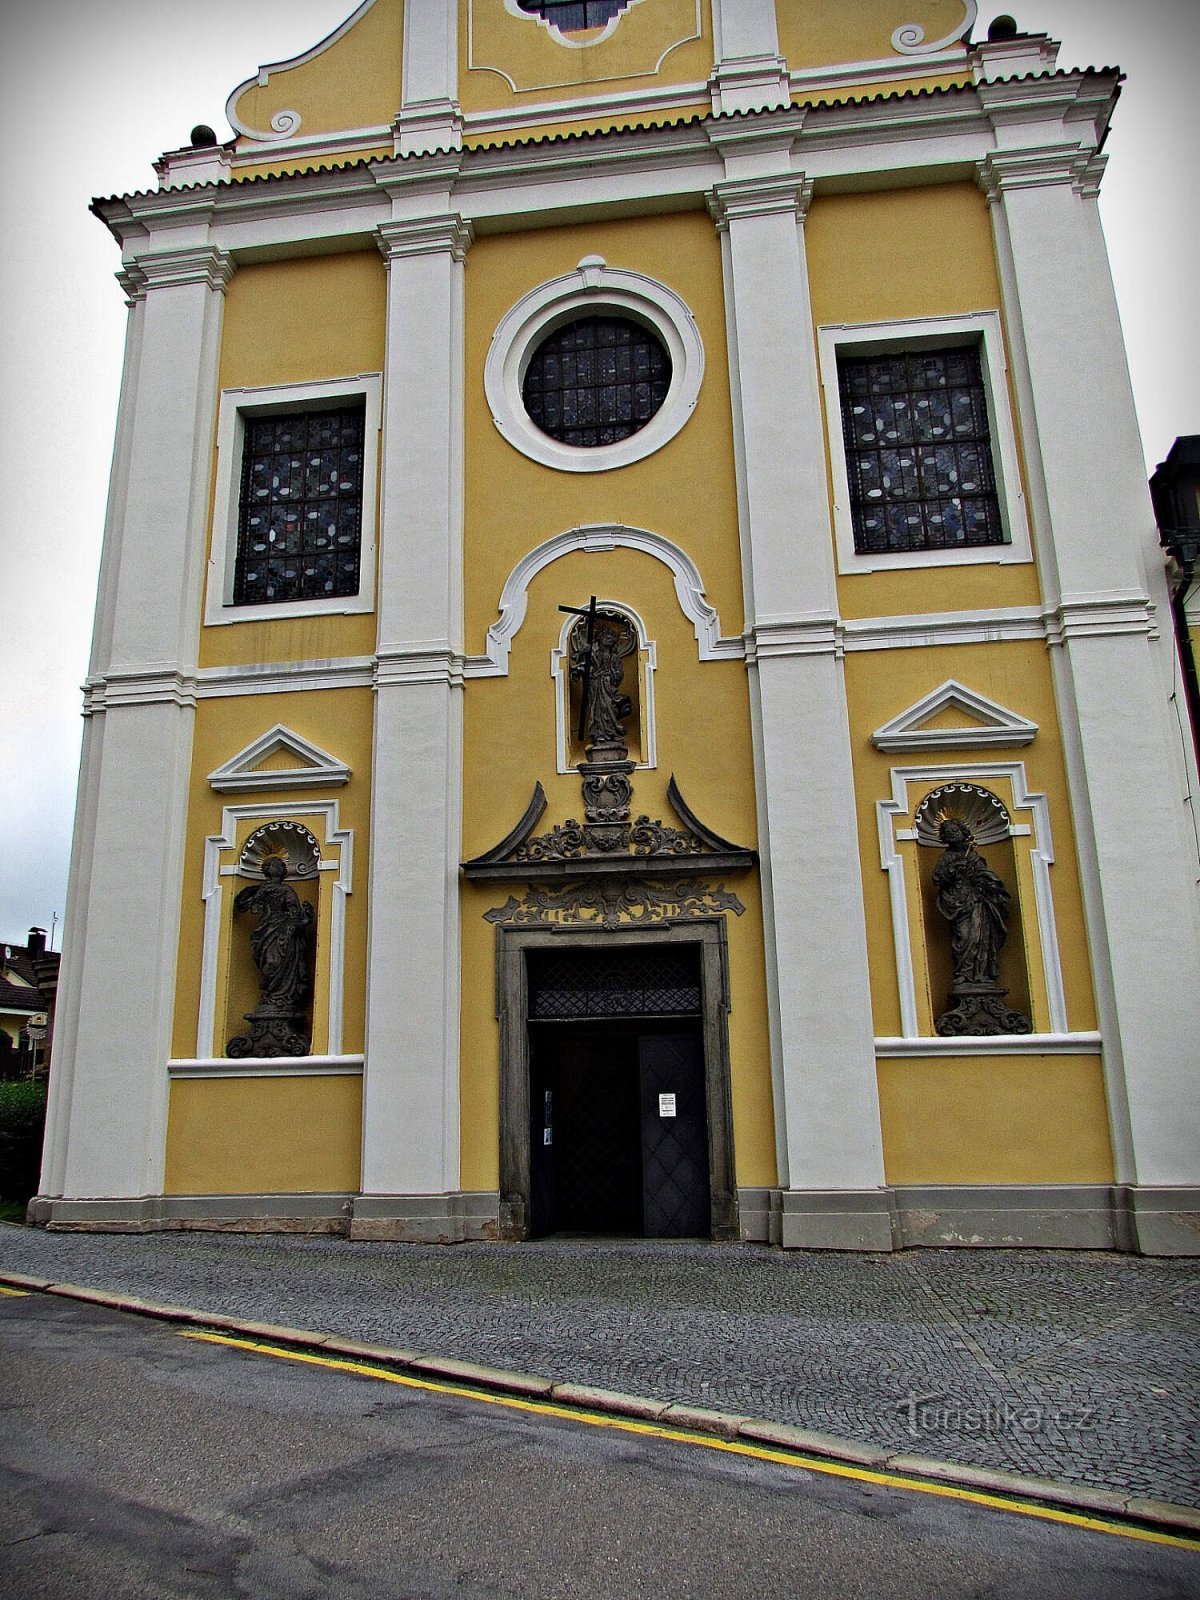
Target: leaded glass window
(596,380)
(300,508)
(918,451)
(572,16)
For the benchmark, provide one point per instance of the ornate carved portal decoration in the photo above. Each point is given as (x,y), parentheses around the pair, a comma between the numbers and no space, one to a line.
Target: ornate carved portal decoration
(613,903)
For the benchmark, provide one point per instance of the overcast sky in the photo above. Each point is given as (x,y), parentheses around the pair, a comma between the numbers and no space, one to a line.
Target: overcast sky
(91,91)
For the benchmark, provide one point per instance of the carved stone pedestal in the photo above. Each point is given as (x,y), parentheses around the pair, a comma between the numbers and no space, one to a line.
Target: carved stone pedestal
(272,1033)
(979,1011)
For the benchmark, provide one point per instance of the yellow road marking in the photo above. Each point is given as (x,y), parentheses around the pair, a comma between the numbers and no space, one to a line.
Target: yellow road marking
(5,1290)
(739,1447)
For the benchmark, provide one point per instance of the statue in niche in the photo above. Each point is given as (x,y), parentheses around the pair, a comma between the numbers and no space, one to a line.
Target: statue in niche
(279,945)
(975,903)
(599,664)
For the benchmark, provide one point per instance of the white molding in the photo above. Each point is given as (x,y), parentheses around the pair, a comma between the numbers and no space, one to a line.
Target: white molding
(335,1066)
(978,327)
(337,839)
(235,406)
(1041,858)
(647,655)
(909,38)
(592,287)
(996,724)
(285,677)
(947,627)
(315,767)
(286,123)
(533,88)
(1000,1044)
(606,32)
(598,538)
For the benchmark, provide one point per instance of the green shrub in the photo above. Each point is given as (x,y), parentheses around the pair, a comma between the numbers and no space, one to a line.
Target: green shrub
(22,1120)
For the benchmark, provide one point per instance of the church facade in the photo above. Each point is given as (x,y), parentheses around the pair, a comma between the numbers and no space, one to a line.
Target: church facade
(632,680)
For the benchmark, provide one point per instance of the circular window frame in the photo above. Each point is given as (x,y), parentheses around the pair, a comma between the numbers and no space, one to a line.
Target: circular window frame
(593,289)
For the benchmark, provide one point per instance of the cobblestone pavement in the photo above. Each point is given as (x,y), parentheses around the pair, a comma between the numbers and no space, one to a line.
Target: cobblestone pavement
(1079,1367)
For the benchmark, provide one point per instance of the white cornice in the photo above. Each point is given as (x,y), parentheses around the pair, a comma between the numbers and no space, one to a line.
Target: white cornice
(946,627)
(817,634)
(430,661)
(425,236)
(737,198)
(990,724)
(313,767)
(169,269)
(285,677)
(1098,616)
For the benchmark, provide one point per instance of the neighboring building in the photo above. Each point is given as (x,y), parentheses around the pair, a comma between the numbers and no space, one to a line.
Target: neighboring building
(787,333)
(28,985)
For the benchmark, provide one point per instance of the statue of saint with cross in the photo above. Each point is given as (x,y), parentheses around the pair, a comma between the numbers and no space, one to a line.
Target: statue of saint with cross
(597,654)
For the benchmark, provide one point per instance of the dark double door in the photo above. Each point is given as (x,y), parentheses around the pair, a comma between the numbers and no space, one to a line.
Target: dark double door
(619,1129)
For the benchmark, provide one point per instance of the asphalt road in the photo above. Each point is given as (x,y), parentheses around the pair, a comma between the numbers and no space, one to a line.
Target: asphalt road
(139,1462)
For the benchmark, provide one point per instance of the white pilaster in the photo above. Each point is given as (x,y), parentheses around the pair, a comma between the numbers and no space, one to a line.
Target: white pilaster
(430,117)
(410,1089)
(108,1115)
(1110,645)
(822,1039)
(749,74)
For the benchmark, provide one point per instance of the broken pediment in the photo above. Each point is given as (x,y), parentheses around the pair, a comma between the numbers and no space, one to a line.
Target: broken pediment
(279,759)
(608,844)
(954,717)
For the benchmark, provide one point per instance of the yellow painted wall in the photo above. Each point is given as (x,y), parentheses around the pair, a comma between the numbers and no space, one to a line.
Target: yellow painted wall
(337,720)
(295,322)
(1001,1119)
(508,61)
(880,685)
(894,255)
(274,1135)
(686,492)
(821,33)
(353,83)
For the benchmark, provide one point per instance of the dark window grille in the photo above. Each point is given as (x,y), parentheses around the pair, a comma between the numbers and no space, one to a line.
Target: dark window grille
(918,451)
(300,510)
(650,981)
(596,381)
(572,16)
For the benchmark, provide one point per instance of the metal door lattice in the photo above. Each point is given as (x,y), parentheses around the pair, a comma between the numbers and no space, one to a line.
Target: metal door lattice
(633,982)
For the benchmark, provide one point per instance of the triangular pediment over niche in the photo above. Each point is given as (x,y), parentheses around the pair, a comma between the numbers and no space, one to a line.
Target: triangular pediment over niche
(954,717)
(279,759)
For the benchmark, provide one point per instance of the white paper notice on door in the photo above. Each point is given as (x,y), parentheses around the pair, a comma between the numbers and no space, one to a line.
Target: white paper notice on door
(666,1105)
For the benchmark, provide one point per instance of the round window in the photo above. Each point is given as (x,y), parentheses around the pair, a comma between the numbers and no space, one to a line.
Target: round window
(596,380)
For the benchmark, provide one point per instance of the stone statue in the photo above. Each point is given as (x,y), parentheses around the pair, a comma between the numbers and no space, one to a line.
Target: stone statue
(601,666)
(975,903)
(279,945)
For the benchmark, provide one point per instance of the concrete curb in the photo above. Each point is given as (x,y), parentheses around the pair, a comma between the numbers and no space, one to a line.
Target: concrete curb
(1160,1515)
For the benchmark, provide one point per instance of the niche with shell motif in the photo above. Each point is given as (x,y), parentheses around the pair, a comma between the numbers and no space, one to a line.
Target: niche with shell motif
(971,912)
(273,950)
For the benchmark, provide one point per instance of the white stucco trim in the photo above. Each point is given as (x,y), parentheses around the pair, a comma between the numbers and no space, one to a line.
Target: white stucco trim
(267,1067)
(909,38)
(647,652)
(337,857)
(314,767)
(286,123)
(592,288)
(594,538)
(284,677)
(595,35)
(917,333)
(238,404)
(995,723)
(1004,1044)
(1041,856)
(474,65)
